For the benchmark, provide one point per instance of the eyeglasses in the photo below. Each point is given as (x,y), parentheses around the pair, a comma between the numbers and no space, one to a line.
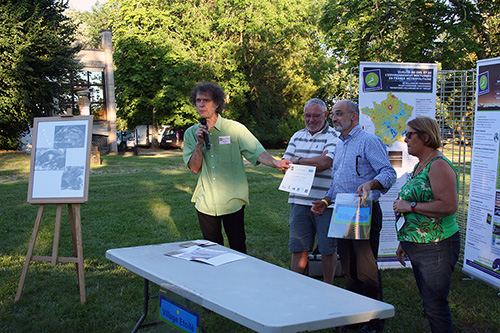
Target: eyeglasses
(410,134)
(338,114)
(315,116)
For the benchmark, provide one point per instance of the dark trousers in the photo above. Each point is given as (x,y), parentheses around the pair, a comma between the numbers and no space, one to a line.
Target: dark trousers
(433,265)
(359,262)
(234,226)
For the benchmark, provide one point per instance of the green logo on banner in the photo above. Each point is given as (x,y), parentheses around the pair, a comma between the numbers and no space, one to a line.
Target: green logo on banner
(371,79)
(483,82)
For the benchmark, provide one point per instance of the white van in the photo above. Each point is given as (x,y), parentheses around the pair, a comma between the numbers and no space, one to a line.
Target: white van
(144,135)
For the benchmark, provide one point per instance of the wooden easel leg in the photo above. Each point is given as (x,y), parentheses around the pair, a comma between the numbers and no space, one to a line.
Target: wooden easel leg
(57,231)
(31,247)
(73,231)
(76,234)
(79,253)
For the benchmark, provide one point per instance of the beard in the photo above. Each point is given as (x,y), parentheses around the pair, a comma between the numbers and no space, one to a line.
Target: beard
(342,127)
(315,127)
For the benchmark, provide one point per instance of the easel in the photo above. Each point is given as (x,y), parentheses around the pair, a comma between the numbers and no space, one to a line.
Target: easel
(59,174)
(76,235)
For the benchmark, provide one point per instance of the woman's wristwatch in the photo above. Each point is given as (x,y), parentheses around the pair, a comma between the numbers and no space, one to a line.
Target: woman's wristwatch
(413,205)
(297,160)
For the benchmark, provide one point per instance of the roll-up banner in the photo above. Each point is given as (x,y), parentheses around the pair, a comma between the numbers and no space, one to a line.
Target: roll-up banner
(391,94)
(482,241)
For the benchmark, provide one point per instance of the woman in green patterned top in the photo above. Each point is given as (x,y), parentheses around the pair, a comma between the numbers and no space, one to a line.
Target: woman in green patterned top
(429,236)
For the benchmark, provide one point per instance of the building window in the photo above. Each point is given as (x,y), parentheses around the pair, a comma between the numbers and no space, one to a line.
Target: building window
(90,84)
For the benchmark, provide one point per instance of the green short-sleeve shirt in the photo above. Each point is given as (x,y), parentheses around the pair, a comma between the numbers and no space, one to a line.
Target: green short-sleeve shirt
(419,228)
(222,186)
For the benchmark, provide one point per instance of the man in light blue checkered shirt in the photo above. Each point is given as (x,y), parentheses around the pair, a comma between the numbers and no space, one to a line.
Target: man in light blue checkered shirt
(361,164)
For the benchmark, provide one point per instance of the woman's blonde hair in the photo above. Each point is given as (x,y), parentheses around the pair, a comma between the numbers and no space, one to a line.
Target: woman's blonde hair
(429,126)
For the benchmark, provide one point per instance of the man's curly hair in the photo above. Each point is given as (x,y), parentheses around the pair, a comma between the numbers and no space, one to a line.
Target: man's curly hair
(217,92)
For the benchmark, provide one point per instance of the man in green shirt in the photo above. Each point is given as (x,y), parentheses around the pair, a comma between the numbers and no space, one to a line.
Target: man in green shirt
(222,189)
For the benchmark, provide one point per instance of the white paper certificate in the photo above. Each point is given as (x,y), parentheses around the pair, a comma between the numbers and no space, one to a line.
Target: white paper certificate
(298,179)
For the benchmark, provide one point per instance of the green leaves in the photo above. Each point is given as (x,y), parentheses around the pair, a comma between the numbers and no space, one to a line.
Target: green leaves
(454,33)
(35,57)
(265,54)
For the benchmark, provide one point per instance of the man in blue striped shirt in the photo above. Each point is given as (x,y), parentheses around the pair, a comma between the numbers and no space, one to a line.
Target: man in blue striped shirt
(361,164)
(313,145)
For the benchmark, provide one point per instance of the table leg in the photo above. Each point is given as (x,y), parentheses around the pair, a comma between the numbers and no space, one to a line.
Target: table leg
(145,306)
(145,309)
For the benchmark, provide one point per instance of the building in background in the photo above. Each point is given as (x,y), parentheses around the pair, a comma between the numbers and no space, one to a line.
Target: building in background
(93,93)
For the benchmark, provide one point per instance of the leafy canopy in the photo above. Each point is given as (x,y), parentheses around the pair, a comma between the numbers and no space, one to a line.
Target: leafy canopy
(265,54)
(455,33)
(35,58)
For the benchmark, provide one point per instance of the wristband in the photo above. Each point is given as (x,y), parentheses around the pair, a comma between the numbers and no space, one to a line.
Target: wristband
(413,205)
(326,202)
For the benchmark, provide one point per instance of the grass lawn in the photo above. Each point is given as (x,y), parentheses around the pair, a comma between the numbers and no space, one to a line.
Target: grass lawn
(141,200)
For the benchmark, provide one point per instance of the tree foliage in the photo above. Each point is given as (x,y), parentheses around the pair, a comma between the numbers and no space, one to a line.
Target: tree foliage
(89,25)
(271,56)
(265,54)
(35,56)
(455,33)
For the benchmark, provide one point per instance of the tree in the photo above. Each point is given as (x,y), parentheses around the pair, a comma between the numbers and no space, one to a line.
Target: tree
(36,58)
(266,55)
(152,73)
(278,53)
(454,33)
(151,82)
(90,24)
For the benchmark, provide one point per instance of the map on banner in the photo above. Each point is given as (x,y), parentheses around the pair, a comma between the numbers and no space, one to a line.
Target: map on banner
(389,117)
(390,95)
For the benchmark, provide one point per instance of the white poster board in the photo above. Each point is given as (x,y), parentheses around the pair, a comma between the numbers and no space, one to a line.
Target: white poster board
(60,160)
(482,242)
(391,94)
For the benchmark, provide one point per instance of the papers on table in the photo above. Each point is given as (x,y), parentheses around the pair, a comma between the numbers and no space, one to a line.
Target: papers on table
(298,179)
(208,256)
(199,242)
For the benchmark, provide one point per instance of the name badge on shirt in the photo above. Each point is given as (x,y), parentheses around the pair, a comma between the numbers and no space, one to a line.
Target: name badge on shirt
(224,140)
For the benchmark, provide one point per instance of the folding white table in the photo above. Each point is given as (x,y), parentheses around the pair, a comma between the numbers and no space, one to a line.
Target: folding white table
(254,293)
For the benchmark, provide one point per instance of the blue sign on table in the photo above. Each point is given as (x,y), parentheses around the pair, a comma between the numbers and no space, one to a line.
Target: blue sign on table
(178,315)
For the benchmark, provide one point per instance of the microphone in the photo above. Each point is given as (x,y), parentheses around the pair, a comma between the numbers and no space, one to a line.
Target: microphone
(203,121)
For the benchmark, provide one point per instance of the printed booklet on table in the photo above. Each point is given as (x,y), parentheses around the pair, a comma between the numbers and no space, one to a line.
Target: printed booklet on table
(203,254)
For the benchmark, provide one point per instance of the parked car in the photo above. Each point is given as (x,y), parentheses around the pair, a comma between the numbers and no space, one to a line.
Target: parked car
(172,138)
(131,141)
(453,136)
(447,134)
(125,140)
